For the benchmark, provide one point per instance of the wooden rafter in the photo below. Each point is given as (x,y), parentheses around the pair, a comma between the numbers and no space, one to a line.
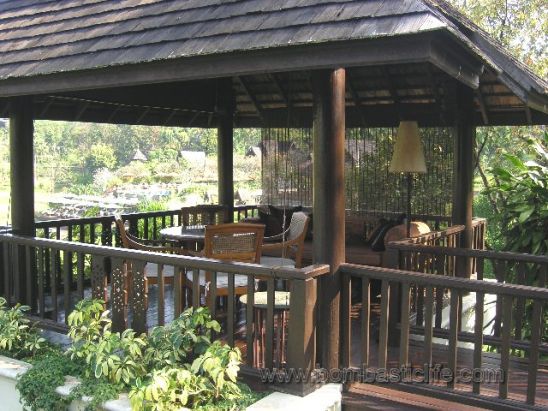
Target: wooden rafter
(47,106)
(143,115)
(252,97)
(81,110)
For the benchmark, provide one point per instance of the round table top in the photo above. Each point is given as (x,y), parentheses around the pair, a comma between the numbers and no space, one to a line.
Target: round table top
(281,299)
(180,233)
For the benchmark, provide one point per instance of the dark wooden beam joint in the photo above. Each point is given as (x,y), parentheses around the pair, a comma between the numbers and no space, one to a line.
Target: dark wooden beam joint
(328,89)
(463,194)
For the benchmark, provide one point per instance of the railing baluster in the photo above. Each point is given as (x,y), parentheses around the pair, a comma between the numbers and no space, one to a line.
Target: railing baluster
(507,302)
(404,324)
(250,333)
(365,312)
(212,297)
(499,268)
(30,282)
(453,335)
(53,289)
(119,294)
(345,316)
(269,322)
(520,301)
(138,303)
(196,288)
(145,228)
(7,271)
(67,280)
(16,262)
(536,338)
(92,233)
(478,335)
(80,268)
(230,310)
(98,278)
(429,308)
(41,273)
(383,329)
(178,291)
(161,293)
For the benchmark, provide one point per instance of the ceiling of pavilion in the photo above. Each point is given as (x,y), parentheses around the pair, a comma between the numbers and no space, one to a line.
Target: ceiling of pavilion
(404,58)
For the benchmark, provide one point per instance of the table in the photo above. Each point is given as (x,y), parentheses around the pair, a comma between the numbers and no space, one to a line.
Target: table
(191,237)
(281,309)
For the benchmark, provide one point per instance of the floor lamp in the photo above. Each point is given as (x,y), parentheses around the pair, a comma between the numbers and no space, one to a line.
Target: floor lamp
(408,158)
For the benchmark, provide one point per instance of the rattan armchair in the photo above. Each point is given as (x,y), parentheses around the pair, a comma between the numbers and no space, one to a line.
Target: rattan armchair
(287,244)
(206,214)
(229,242)
(151,269)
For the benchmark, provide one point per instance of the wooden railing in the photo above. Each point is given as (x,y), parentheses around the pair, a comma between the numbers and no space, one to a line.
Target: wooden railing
(53,293)
(523,387)
(100,230)
(411,253)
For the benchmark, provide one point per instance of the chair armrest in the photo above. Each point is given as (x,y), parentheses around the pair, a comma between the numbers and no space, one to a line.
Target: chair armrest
(279,245)
(277,237)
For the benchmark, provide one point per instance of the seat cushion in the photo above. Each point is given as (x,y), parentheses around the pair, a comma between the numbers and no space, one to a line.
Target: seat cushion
(277,262)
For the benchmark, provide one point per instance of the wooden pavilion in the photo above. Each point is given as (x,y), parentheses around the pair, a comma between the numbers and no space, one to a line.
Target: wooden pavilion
(325,65)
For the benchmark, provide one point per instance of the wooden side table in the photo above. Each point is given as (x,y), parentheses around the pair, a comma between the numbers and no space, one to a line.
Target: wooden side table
(281,311)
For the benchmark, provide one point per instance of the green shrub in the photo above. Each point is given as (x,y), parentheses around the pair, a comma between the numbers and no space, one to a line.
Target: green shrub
(176,366)
(18,338)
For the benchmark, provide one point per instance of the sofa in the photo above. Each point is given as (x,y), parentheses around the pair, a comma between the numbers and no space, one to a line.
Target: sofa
(365,236)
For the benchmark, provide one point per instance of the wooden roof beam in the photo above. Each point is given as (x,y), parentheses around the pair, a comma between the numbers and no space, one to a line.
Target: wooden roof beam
(253,99)
(356,98)
(280,88)
(393,92)
(483,107)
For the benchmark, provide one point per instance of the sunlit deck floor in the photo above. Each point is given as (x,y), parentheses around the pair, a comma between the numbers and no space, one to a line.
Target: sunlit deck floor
(382,396)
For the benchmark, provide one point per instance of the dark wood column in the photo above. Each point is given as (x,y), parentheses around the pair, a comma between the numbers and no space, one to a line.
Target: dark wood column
(463,193)
(328,88)
(22,166)
(225,142)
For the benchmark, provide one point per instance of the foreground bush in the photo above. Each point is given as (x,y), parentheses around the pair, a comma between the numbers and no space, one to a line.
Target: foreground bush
(176,366)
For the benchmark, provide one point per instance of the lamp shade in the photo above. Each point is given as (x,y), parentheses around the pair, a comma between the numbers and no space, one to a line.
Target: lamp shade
(408,155)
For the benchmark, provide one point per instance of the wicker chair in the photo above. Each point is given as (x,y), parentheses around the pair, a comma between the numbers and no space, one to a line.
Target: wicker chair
(230,242)
(289,243)
(151,269)
(205,215)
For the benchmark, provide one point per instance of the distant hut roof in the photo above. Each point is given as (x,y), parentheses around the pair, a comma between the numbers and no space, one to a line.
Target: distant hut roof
(139,156)
(128,63)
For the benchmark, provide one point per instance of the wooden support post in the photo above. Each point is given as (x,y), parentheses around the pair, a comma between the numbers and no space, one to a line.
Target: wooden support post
(22,166)
(328,87)
(463,193)
(225,144)
(22,184)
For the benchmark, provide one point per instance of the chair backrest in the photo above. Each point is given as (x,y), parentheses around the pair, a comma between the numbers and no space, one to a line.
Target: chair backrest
(234,242)
(204,215)
(134,243)
(298,226)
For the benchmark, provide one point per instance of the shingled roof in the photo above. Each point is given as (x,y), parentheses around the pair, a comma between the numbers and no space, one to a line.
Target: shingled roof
(49,46)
